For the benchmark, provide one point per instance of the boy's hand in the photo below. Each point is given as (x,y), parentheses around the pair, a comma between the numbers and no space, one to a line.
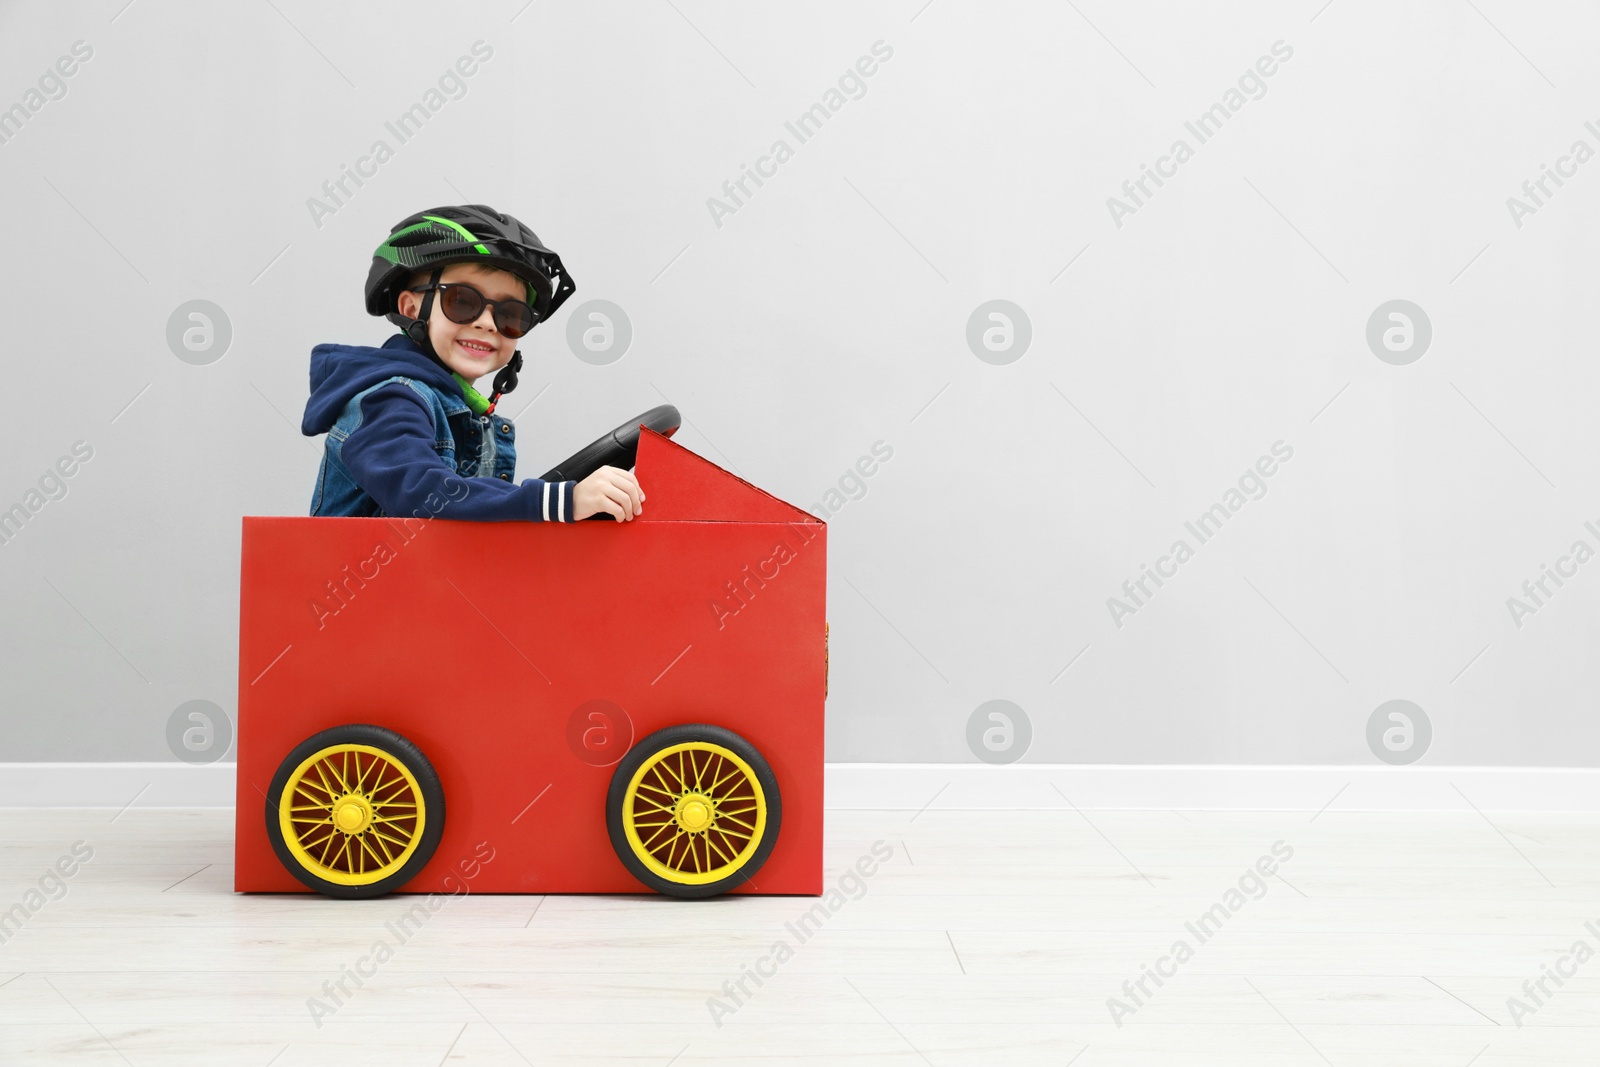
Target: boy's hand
(610,490)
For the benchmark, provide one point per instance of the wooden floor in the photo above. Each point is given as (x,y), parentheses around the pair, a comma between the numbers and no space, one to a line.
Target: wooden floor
(989,938)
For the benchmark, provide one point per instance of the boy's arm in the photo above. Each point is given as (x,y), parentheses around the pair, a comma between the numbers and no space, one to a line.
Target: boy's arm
(390,454)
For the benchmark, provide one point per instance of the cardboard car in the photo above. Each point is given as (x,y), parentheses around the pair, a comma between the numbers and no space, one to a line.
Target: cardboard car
(600,707)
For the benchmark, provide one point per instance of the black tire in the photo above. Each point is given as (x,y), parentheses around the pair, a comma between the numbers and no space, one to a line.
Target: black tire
(398,750)
(644,752)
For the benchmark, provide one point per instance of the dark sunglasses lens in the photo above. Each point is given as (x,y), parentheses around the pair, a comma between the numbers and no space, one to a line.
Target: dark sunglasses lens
(460,304)
(513,320)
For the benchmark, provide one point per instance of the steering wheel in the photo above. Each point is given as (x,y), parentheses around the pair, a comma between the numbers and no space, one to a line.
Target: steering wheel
(619,448)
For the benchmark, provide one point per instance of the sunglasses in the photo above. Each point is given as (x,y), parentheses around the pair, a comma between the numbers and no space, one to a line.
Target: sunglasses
(462,304)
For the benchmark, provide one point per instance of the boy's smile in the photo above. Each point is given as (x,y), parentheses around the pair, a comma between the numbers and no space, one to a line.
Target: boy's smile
(477,351)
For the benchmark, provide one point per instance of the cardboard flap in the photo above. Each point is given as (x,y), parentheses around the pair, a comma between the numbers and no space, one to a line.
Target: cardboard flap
(683,486)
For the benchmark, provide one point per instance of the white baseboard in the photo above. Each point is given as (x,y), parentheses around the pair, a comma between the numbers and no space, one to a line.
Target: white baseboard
(113,785)
(1246,787)
(912,786)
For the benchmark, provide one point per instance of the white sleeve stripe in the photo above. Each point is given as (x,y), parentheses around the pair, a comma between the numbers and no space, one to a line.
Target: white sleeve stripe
(546,501)
(561,503)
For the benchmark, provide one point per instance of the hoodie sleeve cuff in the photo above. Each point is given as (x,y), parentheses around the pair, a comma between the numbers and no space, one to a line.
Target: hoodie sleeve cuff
(557,501)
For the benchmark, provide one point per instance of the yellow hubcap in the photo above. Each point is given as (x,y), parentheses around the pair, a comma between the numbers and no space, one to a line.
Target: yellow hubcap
(352,814)
(694,813)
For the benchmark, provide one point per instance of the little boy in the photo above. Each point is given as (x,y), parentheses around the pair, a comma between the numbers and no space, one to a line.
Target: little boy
(408,434)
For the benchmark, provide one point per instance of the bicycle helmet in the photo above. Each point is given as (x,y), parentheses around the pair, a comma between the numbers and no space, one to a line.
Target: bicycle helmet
(469,233)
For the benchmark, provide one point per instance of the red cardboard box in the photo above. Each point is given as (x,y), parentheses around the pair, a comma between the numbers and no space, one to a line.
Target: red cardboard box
(524,659)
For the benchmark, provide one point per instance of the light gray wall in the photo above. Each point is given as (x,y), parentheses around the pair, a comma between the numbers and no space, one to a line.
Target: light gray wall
(830,311)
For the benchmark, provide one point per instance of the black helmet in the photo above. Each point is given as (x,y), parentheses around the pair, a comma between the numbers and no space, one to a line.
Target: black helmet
(470,233)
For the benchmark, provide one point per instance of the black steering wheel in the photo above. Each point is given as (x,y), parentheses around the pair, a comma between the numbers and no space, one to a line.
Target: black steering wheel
(619,448)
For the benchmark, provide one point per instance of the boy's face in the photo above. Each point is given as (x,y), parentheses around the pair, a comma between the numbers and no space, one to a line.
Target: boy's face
(475,348)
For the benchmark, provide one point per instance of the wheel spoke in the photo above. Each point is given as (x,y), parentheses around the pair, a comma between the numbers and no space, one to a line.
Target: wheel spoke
(735,833)
(327,846)
(637,800)
(383,781)
(399,844)
(710,844)
(663,764)
(324,778)
(663,826)
(363,840)
(307,842)
(659,772)
(736,847)
(388,856)
(401,787)
(672,849)
(395,807)
(394,799)
(394,820)
(733,769)
(304,788)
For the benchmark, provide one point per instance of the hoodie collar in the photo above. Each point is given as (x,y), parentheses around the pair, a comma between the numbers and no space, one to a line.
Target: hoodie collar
(339,372)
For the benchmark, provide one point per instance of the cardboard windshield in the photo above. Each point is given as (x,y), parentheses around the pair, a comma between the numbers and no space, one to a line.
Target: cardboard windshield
(685,487)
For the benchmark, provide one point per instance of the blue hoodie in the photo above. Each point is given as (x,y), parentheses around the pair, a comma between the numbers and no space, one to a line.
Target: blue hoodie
(403,441)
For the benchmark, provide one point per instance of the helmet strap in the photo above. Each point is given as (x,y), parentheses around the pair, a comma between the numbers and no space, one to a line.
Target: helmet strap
(417,330)
(506,380)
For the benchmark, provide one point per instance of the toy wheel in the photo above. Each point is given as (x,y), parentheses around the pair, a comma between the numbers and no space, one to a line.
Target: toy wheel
(693,810)
(355,811)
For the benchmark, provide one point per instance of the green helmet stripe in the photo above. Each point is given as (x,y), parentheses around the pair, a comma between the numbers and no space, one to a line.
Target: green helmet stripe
(388,251)
(462,230)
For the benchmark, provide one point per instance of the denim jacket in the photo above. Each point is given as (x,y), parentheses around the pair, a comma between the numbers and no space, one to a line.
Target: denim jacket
(402,440)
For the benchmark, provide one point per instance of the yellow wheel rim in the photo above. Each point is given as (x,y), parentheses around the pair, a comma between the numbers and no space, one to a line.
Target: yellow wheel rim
(694,813)
(352,814)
